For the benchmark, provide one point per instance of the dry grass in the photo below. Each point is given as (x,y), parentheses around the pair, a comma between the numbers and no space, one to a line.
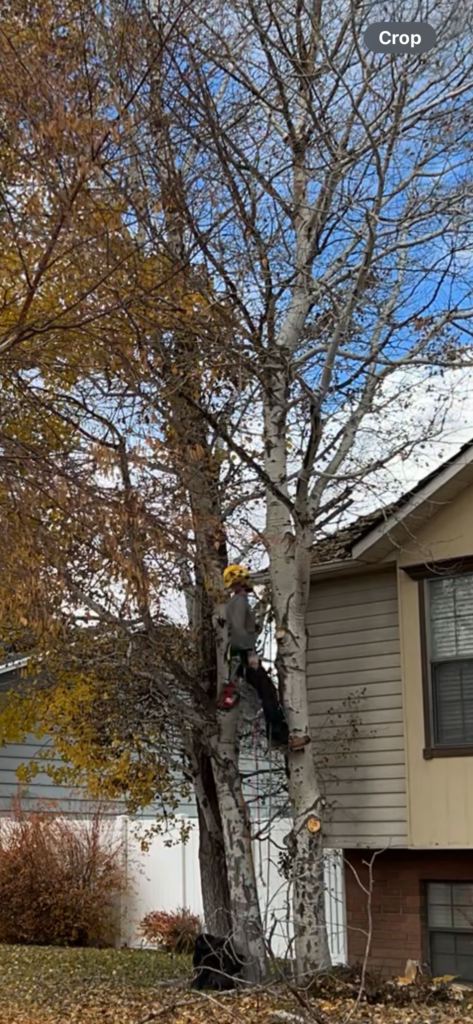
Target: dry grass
(87,986)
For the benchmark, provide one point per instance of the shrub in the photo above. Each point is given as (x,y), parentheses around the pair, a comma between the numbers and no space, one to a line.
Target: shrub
(59,879)
(175,933)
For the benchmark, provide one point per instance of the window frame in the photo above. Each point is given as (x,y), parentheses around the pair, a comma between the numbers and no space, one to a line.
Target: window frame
(444,931)
(421,574)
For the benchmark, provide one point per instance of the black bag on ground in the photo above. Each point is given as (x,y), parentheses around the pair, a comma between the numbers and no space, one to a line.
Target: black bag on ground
(215,963)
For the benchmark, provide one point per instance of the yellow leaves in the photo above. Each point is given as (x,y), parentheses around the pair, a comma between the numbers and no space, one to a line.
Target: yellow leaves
(81,715)
(17,717)
(27,772)
(219,456)
(193,300)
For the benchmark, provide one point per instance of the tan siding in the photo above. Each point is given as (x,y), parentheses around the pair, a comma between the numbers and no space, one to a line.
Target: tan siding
(363,661)
(377,803)
(363,832)
(364,776)
(378,702)
(361,814)
(357,680)
(441,789)
(386,634)
(358,624)
(355,701)
(374,718)
(350,602)
(356,759)
(351,789)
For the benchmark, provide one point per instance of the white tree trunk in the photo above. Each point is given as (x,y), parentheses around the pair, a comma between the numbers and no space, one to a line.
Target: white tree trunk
(289,547)
(246,916)
(311,942)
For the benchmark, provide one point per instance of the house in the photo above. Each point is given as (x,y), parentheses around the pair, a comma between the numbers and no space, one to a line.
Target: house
(390,675)
(167,877)
(390,663)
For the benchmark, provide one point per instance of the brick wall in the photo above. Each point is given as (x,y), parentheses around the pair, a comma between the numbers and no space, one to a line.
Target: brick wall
(399,930)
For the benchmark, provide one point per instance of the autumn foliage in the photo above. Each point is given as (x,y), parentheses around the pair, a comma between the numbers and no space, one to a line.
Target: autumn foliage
(174,932)
(60,880)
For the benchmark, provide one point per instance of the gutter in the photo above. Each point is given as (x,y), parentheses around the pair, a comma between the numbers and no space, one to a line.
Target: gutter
(10,666)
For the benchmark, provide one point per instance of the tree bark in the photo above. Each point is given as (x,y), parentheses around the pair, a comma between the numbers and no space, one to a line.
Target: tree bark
(212,860)
(247,923)
(200,469)
(311,941)
(289,544)
(228,819)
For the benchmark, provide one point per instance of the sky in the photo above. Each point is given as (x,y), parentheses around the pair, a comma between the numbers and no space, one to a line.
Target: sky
(449,400)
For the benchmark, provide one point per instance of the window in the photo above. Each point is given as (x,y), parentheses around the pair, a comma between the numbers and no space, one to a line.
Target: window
(449,612)
(450,923)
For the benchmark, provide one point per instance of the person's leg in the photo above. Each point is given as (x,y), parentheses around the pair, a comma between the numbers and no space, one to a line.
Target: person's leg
(263,684)
(276,727)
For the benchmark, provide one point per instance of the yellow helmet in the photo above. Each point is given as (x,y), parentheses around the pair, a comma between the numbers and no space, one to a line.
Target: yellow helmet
(236,574)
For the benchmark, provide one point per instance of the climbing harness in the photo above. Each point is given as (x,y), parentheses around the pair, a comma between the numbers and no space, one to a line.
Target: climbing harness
(236,671)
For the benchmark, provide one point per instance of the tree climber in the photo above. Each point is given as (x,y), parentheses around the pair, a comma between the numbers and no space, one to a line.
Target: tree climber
(242,659)
(241,630)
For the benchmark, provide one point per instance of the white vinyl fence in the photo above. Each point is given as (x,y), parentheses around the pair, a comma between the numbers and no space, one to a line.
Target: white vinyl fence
(165,878)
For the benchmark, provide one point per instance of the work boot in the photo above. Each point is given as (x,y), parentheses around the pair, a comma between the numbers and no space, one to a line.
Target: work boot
(298,742)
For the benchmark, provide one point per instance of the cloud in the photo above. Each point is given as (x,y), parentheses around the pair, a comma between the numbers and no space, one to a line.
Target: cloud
(429,418)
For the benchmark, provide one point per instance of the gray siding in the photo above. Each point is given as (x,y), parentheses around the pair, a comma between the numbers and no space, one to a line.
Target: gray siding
(76,802)
(355,701)
(262,781)
(42,788)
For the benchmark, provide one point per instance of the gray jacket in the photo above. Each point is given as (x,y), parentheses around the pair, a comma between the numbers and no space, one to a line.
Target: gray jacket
(241,623)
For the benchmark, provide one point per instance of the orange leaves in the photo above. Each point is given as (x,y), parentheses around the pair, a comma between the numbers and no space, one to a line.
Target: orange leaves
(67,256)
(175,932)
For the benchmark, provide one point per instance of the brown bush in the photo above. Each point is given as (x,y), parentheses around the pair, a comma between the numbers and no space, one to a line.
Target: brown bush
(59,879)
(175,932)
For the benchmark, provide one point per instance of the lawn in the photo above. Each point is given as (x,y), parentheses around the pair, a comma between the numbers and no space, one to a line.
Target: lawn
(84,986)
(50,984)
